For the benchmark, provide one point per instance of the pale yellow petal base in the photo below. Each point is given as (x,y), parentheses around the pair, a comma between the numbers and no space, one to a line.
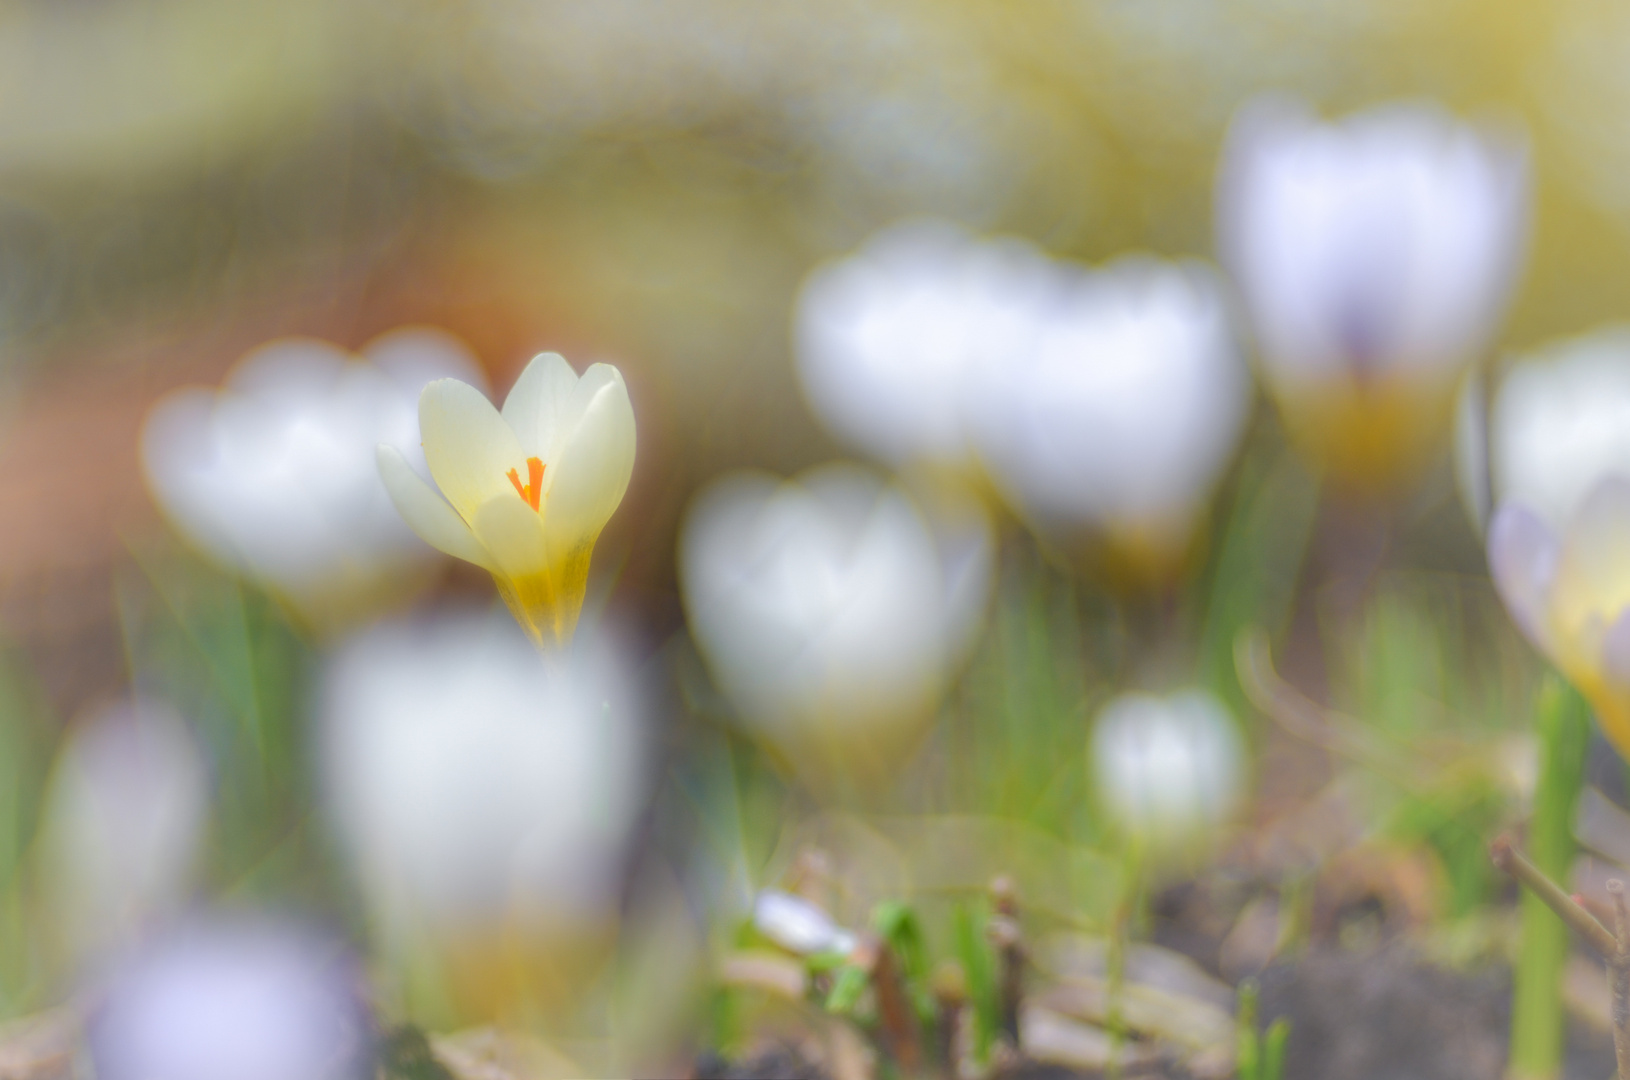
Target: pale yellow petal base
(549,604)
(1370,439)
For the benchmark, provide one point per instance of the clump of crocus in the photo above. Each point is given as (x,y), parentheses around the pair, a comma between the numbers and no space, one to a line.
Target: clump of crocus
(273,475)
(1557,424)
(1567,587)
(1168,769)
(525,492)
(891,338)
(1121,411)
(243,998)
(833,613)
(1376,255)
(485,795)
(1103,403)
(123,823)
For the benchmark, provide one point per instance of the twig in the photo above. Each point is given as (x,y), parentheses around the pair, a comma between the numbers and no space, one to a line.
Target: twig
(1004,933)
(1618,974)
(894,1012)
(950,987)
(1305,718)
(1508,859)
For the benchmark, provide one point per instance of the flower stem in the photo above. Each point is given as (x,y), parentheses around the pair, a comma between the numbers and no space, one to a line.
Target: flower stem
(1537,1013)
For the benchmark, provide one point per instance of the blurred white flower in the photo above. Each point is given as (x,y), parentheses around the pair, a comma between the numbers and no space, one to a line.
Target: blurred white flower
(889,337)
(1568,590)
(1375,255)
(1168,768)
(521,493)
(234,1000)
(486,794)
(1559,423)
(798,925)
(274,475)
(123,822)
(1123,409)
(832,612)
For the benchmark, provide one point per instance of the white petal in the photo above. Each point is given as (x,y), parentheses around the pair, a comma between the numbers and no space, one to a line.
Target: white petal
(467,445)
(592,470)
(415,355)
(426,512)
(540,403)
(1523,556)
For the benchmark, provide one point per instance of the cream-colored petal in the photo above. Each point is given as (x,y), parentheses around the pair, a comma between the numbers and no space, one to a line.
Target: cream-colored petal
(513,534)
(468,446)
(592,470)
(426,512)
(539,402)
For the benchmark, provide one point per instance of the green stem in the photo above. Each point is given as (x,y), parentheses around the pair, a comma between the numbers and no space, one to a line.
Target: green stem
(1537,1009)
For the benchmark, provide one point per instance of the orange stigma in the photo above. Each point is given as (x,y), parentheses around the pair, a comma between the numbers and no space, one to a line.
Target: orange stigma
(533,490)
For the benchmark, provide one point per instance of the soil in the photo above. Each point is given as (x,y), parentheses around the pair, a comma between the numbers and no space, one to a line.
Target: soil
(1383,1015)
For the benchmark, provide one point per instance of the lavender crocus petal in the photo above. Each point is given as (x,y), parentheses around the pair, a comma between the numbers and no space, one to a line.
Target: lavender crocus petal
(1598,537)
(1523,555)
(1616,649)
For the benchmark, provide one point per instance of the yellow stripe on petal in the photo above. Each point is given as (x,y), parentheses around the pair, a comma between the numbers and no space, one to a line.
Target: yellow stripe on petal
(544,588)
(468,446)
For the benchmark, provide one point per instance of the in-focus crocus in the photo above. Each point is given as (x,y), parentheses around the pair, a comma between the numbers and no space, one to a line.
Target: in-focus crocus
(523,493)
(1375,255)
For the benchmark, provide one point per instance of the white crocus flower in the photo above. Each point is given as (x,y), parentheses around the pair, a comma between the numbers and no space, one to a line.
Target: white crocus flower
(1558,424)
(523,493)
(1168,768)
(832,612)
(486,794)
(1375,255)
(123,822)
(234,999)
(273,476)
(1124,409)
(888,338)
(798,925)
(1567,588)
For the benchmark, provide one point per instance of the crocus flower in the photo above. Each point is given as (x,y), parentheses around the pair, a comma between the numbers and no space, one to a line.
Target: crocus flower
(1168,768)
(273,475)
(486,795)
(1375,256)
(1568,590)
(889,338)
(1123,410)
(523,493)
(233,999)
(123,822)
(832,612)
(1557,425)
(799,925)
